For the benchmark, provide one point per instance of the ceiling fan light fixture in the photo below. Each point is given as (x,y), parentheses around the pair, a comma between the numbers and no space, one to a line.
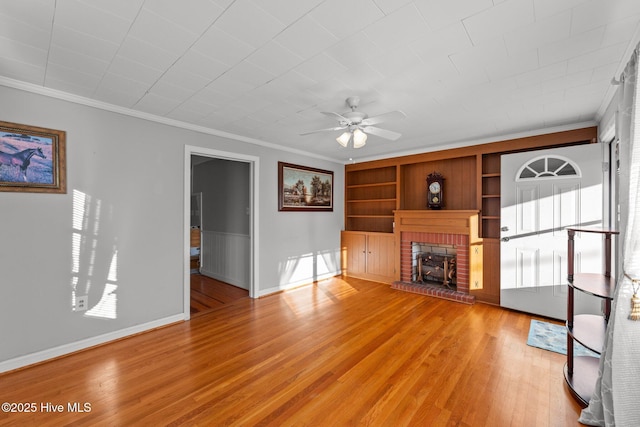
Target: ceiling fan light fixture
(344,139)
(359,138)
(358,125)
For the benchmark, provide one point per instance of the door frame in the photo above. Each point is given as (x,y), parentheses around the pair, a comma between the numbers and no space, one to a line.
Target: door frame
(254,173)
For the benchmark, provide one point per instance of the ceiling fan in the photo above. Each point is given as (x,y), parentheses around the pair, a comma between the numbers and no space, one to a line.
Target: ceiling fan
(359,124)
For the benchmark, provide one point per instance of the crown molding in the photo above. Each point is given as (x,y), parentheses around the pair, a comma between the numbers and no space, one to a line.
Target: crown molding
(77,99)
(634,45)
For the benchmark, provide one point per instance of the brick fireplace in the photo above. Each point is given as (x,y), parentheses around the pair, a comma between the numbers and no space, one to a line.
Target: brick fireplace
(457,229)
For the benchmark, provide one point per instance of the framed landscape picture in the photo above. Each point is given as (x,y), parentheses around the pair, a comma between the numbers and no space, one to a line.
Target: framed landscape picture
(32,159)
(301,188)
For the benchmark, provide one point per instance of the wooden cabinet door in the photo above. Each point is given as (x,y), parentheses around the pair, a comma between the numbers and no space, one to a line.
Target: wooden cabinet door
(354,253)
(368,255)
(380,255)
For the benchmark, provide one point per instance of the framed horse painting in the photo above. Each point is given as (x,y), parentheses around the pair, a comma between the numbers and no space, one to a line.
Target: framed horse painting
(32,159)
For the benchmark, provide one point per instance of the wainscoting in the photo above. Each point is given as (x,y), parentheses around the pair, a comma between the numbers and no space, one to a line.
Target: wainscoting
(227,257)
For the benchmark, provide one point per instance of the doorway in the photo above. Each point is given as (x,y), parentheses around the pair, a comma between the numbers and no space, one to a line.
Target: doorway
(252,211)
(542,193)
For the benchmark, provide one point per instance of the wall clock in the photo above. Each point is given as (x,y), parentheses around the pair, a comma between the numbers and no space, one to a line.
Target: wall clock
(435,190)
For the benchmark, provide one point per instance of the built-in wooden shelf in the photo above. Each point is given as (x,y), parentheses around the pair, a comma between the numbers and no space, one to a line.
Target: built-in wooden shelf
(370,216)
(375,184)
(490,195)
(370,200)
(374,189)
(371,197)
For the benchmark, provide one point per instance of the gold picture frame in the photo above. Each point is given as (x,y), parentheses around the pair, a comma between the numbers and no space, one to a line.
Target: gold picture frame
(302,188)
(32,159)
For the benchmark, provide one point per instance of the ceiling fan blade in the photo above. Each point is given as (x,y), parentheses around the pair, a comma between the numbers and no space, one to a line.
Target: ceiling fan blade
(392,115)
(383,133)
(334,115)
(324,130)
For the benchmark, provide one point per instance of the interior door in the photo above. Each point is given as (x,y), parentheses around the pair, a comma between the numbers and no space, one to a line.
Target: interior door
(542,193)
(196,229)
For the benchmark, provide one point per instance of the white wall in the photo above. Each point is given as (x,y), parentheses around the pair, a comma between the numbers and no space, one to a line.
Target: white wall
(125,176)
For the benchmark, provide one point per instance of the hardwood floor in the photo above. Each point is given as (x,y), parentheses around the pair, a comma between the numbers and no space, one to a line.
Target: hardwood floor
(208,293)
(342,352)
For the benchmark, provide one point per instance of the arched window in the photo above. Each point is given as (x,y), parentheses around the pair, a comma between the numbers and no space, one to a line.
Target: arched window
(549,166)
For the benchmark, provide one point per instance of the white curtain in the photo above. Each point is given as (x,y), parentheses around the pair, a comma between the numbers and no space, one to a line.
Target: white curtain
(616,400)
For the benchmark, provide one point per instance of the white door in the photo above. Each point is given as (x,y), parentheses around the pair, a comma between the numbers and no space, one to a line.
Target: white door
(542,193)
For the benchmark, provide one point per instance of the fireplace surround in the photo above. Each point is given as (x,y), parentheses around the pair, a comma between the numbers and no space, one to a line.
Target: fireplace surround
(454,228)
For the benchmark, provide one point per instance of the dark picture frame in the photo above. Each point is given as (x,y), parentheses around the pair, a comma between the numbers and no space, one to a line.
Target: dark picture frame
(305,189)
(32,159)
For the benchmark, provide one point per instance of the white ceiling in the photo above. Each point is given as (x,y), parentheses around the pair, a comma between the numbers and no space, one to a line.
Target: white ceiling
(461,70)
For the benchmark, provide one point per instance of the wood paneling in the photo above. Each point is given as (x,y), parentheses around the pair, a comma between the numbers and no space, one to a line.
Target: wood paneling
(463,222)
(472,183)
(490,292)
(459,186)
(372,176)
(342,352)
(226,256)
(556,139)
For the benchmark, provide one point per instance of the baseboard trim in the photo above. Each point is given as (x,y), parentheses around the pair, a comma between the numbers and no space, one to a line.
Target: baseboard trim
(223,278)
(298,284)
(66,349)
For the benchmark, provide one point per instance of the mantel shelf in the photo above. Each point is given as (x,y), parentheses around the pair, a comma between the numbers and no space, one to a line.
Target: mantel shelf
(438,221)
